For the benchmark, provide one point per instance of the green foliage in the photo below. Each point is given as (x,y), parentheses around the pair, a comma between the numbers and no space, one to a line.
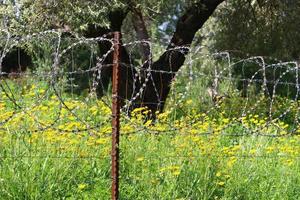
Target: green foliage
(259,27)
(181,163)
(193,159)
(43,15)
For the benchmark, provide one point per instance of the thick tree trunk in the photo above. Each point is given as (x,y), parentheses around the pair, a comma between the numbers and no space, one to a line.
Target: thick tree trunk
(153,90)
(116,19)
(158,87)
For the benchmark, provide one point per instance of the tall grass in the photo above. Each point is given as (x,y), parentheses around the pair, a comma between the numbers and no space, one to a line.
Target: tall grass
(186,156)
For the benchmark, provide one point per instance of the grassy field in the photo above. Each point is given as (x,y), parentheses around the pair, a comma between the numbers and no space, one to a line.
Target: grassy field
(55,150)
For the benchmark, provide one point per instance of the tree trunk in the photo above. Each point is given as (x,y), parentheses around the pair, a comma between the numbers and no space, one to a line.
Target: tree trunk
(159,85)
(116,19)
(155,86)
(141,30)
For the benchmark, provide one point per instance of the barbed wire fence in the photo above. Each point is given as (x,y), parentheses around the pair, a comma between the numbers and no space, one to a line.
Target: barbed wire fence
(211,95)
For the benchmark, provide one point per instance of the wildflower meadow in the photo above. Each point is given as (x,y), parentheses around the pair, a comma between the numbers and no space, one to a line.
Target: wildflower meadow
(195,155)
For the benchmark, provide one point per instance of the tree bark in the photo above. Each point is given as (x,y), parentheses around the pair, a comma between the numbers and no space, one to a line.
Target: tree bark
(116,19)
(141,30)
(153,90)
(158,88)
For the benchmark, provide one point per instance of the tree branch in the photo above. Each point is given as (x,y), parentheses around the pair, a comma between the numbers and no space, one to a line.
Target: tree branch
(187,26)
(140,29)
(172,59)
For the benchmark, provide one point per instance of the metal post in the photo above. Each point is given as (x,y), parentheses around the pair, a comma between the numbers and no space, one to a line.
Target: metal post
(115,118)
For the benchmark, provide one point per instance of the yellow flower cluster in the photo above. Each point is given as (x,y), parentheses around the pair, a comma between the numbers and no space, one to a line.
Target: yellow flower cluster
(74,124)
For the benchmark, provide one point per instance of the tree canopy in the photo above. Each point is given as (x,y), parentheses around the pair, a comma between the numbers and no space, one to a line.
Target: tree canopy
(260,27)
(256,27)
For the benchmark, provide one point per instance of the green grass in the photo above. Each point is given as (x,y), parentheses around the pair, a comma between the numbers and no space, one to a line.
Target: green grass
(154,167)
(196,160)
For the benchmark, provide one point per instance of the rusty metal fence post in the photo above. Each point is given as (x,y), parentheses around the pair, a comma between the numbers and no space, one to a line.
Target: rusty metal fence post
(115,118)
